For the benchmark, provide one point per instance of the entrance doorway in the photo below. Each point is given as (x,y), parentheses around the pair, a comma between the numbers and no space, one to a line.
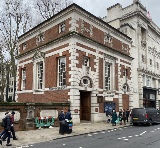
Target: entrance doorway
(125,101)
(85,105)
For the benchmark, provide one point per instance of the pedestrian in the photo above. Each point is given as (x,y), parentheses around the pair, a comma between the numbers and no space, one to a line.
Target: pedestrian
(8,128)
(127,114)
(120,116)
(124,116)
(68,115)
(114,117)
(12,128)
(130,115)
(3,132)
(62,122)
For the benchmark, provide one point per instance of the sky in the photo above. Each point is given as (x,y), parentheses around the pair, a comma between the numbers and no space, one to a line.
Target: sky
(99,7)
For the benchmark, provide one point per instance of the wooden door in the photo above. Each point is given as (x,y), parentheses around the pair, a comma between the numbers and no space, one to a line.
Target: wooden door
(85,106)
(125,101)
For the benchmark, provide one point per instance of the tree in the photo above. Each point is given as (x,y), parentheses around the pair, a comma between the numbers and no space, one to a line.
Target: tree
(48,8)
(15,20)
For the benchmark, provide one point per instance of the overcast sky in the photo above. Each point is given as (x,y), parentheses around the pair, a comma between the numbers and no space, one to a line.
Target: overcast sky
(98,7)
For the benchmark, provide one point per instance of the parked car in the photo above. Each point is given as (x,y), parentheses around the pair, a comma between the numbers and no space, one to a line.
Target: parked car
(145,116)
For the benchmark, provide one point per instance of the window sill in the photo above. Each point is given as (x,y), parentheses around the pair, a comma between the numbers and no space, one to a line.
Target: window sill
(38,91)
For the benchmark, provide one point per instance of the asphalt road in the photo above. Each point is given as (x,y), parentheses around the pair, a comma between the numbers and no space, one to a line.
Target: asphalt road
(127,137)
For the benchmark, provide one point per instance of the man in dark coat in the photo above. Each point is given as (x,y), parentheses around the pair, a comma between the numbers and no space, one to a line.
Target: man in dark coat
(12,128)
(8,129)
(61,121)
(68,115)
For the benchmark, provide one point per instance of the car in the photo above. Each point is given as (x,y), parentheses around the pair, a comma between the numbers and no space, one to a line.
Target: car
(147,116)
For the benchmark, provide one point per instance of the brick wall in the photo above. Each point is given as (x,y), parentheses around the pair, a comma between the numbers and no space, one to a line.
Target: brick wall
(22,108)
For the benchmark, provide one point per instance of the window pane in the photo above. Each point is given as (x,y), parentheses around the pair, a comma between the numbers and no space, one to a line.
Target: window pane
(107,76)
(62,71)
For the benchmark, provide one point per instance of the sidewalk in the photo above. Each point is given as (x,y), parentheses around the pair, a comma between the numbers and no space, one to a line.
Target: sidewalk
(28,138)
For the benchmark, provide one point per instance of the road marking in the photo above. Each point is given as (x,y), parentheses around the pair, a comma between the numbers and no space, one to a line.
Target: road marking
(130,136)
(136,135)
(103,132)
(152,131)
(125,139)
(64,144)
(95,133)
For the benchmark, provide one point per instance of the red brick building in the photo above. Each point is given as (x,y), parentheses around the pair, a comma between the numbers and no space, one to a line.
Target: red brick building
(76,57)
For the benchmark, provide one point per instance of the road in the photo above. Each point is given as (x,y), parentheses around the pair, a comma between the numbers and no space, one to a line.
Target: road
(129,137)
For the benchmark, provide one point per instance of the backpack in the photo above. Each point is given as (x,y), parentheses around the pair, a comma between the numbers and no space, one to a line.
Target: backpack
(4,122)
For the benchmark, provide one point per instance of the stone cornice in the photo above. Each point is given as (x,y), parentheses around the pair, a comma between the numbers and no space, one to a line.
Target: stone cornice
(148,72)
(76,9)
(81,37)
(139,13)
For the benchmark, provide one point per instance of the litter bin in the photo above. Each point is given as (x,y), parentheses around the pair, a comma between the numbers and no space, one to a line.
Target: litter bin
(69,127)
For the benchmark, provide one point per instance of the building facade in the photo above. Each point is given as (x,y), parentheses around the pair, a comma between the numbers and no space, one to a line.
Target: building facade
(135,21)
(6,83)
(78,58)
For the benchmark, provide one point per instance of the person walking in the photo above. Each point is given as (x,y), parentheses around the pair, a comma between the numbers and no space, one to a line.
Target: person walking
(3,132)
(130,115)
(61,121)
(12,126)
(8,128)
(127,114)
(124,116)
(120,116)
(114,117)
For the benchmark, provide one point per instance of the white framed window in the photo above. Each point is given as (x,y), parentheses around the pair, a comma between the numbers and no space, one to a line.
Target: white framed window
(61,71)
(85,61)
(148,81)
(157,64)
(125,72)
(150,61)
(23,83)
(24,46)
(143,58)
(38,72)
(62,27)
(107,38)
(39,38)
(39,80)
(144,80)
(107,76)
